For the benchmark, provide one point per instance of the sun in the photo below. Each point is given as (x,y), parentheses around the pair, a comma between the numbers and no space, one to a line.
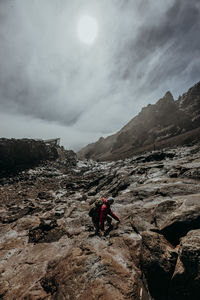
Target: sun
(87,30)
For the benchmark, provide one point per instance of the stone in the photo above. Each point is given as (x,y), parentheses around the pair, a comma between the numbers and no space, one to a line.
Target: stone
(47,232)
(185,283)
(16,153)
(20,154)
(158,262)
(176,217)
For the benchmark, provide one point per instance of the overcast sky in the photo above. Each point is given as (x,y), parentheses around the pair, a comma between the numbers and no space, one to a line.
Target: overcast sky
(54,85)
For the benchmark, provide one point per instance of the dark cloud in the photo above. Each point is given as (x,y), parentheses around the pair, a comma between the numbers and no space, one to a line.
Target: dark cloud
(179,32)
(175,37)
(48,77)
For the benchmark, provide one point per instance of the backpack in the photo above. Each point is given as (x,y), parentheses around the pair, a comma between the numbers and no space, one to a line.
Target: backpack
(95,207)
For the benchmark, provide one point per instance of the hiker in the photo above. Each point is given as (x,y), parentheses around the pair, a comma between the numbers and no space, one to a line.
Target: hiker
(100,214)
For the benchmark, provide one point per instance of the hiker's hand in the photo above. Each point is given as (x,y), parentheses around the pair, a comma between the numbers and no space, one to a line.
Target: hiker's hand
(102,232)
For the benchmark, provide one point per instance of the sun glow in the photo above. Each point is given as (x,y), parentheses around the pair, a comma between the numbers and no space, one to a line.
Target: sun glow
(87,30)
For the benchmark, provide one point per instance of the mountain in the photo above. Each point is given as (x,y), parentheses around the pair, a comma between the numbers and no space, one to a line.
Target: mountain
(168,122)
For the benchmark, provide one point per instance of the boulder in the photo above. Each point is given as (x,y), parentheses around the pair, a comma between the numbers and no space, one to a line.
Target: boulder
(158,261)
(185,283)
(174,218)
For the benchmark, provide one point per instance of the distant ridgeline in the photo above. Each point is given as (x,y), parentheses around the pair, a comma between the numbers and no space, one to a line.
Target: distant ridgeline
(23,153)
(166,123)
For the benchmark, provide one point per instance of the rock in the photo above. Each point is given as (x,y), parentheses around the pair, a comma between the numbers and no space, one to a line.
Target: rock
(15,153)
(158,262)
(4,287)
(18,213)
(44,195)
(107,278)
(59,213)
(70,158)
(28,223)
(156,156)
(185,282)
(175,218)
(20,154)
(119,186)
(47,232)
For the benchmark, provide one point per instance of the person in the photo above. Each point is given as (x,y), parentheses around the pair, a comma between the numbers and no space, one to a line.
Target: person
(103,214)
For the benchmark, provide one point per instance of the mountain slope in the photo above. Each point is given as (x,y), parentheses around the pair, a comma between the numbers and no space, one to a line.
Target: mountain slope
(155,123)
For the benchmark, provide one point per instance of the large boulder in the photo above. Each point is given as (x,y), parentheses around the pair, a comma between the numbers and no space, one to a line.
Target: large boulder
(175,218)
(158,260)
(185,283)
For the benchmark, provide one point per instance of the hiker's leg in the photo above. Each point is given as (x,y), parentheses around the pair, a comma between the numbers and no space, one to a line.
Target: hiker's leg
(109,221)
(110,226)
(96,224)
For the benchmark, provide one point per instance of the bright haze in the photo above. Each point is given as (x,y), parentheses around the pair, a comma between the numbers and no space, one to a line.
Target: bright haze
(82,69)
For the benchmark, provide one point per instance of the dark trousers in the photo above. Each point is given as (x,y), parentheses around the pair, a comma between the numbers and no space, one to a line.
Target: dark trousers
(96,224)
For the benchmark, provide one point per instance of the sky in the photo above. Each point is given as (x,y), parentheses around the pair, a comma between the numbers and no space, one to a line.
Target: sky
(54,85)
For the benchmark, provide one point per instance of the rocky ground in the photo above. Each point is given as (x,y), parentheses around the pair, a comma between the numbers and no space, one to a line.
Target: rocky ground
(47,242)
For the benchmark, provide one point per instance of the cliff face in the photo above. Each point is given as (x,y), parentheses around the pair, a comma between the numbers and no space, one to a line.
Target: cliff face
(155,123)
(18,154)
(48,249)
(190,103)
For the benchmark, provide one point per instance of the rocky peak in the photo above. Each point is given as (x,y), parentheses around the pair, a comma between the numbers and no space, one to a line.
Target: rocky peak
(190,101)
(168,96)
(167,100)
(195,90)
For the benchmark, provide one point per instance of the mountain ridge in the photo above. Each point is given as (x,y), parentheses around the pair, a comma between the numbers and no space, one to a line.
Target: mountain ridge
(163,120)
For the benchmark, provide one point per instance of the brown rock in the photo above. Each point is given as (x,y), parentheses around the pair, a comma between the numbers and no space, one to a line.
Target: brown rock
(158,262)
(185,283)
(176,217)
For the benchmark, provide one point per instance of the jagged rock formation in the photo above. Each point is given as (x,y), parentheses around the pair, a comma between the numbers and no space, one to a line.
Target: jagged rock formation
(47,241)
(23,153)
(163,124)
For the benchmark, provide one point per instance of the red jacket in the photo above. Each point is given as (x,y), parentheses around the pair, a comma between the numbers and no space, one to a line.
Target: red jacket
(106,210)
